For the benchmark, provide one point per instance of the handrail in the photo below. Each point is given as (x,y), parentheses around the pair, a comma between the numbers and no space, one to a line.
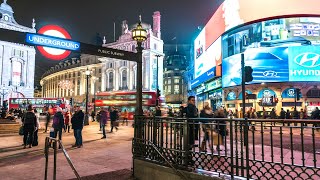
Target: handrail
(167,161)
(46,152)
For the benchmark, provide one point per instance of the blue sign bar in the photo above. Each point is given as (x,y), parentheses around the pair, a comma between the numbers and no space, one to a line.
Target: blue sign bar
(204,77)
(54,42)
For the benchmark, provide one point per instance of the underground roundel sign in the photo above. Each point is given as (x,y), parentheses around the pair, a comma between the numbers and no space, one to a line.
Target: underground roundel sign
(54,53)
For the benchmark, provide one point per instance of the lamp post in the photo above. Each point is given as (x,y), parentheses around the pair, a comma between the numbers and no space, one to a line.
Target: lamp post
(140,35)
(86,119)
(157,83)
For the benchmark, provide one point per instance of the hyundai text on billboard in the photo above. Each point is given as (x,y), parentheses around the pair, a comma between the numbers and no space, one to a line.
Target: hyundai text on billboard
(304,63)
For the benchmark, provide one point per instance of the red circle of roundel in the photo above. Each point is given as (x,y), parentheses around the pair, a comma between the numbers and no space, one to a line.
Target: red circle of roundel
(62,31)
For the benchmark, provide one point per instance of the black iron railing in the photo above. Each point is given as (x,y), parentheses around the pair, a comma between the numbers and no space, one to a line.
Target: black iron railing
(52,142)
(254,148)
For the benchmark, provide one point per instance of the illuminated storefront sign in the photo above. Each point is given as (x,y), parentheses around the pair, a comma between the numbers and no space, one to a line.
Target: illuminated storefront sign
(240,95)
(289,93)
(214,84)
(231,96)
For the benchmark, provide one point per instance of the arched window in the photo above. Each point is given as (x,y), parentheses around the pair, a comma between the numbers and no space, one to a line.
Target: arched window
(313,93)
(110,82)
(16,76)
(124,82)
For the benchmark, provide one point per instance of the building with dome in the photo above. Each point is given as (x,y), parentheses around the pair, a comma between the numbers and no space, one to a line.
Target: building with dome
(108,74)
(175,74)
(17,61)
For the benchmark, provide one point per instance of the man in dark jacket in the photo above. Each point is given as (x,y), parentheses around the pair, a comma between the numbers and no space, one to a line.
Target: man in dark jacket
(47,120)
(103,121)
(58,123)
(113,118)
(29,121)
(192,112)
(77,121)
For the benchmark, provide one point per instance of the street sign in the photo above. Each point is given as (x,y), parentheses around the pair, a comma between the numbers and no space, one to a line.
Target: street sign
(108,52)
(50,41)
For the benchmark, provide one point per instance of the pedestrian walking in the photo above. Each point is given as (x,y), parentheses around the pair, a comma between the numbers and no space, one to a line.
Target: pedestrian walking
(67,121)
(103,121)
(125,117)
(47,120)
(58,123)
(221,128)
(77,121)
(93,114)
(288,115)
(206,113)
(29,121)
(114,116)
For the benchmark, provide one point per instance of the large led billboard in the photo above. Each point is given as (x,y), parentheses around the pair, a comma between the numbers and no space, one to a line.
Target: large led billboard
(278,50)
(233,13)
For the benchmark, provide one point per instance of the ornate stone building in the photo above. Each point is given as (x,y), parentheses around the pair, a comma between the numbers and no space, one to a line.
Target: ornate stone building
(175,74)
(109,74)
(17,61)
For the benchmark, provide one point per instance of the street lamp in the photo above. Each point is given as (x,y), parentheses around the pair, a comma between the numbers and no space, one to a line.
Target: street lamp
(157,85)
(86,119)
(139,34)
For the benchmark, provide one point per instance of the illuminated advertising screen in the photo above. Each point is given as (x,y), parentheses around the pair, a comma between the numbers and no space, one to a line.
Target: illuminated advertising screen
(268,64)
(278,50)
(199,54)
(304,63)
(232,13)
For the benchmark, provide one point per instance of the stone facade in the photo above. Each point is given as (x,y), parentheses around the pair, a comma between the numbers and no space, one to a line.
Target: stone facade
(108,74)
(17,61)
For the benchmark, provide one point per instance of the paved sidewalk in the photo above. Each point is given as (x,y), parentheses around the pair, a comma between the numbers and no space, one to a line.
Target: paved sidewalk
(98,156)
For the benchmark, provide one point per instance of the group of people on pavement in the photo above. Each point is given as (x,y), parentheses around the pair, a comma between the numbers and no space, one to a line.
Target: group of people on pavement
(113,114)
(60,122)
(211,133)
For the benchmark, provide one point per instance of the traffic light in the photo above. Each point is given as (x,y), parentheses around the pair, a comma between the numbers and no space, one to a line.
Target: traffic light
(71,101)
(298,94)
(248,73)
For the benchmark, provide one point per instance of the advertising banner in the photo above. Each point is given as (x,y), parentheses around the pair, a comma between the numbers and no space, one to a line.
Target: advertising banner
(268,64)
(232,13)
(304,63)
(288,93)
(231,96)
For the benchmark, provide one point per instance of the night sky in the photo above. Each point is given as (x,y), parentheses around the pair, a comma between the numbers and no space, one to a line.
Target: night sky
(84,19)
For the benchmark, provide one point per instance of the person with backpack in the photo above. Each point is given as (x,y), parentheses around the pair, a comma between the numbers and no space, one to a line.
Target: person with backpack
(58,123)
(29,121)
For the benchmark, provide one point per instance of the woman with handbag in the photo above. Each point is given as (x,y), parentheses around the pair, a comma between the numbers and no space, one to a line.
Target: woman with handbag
(206,113)
(221,129)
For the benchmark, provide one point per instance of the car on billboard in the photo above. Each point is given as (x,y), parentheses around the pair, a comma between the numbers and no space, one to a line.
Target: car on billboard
(268,64)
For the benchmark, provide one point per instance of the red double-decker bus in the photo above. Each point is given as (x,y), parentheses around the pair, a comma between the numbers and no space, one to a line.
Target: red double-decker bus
(126,100)
(37,103)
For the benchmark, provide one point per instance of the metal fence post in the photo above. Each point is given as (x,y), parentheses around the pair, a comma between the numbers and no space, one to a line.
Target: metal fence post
(46,155)
(186,147)
(246,141)
(55,160)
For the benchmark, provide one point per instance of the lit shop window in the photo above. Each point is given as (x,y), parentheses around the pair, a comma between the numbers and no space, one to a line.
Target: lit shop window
(176,89)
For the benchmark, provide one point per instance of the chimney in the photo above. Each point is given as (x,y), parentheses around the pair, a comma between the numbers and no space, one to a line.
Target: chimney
(156,24)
